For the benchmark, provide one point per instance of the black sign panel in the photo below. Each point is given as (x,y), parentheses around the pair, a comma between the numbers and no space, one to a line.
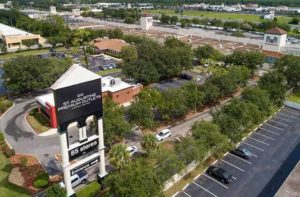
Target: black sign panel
(77,102)
(85,165)
(83,149)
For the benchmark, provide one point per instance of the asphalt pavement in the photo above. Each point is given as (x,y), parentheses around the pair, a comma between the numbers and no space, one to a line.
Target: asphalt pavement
(274,146)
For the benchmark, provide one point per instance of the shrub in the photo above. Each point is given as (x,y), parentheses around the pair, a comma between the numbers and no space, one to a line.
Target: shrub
(9,152)
(90,190)
(56,191)
(1,138)
(40,183)
(42,176)
(23,161)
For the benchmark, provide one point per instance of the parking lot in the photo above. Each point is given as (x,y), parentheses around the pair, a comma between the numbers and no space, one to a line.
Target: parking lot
(102,62)
(270,145)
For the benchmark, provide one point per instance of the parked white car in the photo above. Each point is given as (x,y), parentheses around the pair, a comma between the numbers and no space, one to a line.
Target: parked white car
(77,179)
(163,134)
(132,150)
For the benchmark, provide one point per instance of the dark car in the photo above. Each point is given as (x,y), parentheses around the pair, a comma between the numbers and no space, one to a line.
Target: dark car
(219,174)
(186,76)
(242,152)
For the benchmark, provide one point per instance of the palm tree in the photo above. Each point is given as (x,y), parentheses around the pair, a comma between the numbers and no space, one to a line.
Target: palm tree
(149,143)
(119,156)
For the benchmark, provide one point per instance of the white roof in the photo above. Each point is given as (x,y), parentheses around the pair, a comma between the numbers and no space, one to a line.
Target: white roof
(6,30)
(117,86)
(74,75)
(46,98)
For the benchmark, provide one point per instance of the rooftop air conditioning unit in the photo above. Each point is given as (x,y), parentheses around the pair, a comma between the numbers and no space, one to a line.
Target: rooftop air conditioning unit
(112,82)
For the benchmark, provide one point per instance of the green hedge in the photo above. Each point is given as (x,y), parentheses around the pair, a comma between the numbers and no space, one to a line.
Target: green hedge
(90,190)
(40,183)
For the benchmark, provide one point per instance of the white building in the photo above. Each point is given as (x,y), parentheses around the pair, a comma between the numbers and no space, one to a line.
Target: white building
(2,6)
(270,16)
(274,40)
(52,10)
(146,22)
(76,12)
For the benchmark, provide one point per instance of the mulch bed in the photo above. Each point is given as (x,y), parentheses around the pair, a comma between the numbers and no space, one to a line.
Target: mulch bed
(29,171)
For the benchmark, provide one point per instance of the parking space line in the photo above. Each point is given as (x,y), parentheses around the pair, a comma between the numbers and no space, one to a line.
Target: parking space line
(254,155)
(295,114)
(258,141)
(197,176)
(205,189)
(279,122)
(234,178)
(215,181)
(254,146)
(283,119)
(269,131)
(287,115)
(186,194)
(265,136)
(241,159)
(233,165)
(274,126)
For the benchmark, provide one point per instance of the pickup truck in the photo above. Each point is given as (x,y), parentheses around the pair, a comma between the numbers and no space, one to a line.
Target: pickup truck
(77,179)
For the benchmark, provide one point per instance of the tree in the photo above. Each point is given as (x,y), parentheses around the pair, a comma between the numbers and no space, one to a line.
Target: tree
(28,73)
(290,66)
(208,133)
(260,98)
(114,124)
(115,33)
(240,74)
(189,150)
(56,191)
(294,21)
(29,42)
(275,84)
(211,93)
(138,179)
(173,104)
(129,53)
(207,52)
(141,113)
(149,143)
(174,19)
(165,19)
(194,96)
(226,84)
(129,20)
(119,156)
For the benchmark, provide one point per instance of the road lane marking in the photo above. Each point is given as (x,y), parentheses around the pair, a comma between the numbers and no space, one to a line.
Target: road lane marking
(287,115)
(265,136)
(215,181)
(274,126)
(283,119)
(294,113)
(269,131)
(205,189)
(258,141)
(254,146)
(186,194)
(279,123)
(241,159)
(233,165)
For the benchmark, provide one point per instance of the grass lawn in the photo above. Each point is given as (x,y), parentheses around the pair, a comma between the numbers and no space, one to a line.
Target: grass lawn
(38,121)
(26,53)
(7,189)
(109,71)
(219,15)
(294,98)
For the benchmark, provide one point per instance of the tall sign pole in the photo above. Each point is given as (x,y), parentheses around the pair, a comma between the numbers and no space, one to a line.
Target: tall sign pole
(75,103)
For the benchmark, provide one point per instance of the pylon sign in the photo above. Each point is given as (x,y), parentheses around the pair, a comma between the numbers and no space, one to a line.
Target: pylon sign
(77,96)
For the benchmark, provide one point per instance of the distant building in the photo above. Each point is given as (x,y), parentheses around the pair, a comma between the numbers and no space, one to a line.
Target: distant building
(2,6)
(52,10)
(76,12)
(119,91)
(146,22)
(14,38)
(270,16)
(109,46)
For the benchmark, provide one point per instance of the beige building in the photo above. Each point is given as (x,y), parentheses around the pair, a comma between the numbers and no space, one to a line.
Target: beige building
(15,39)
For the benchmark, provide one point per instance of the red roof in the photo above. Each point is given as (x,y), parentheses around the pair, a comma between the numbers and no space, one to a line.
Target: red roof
(276,31)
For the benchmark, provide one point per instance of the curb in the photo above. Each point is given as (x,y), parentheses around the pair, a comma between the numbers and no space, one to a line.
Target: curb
(33,131)
(7,111)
